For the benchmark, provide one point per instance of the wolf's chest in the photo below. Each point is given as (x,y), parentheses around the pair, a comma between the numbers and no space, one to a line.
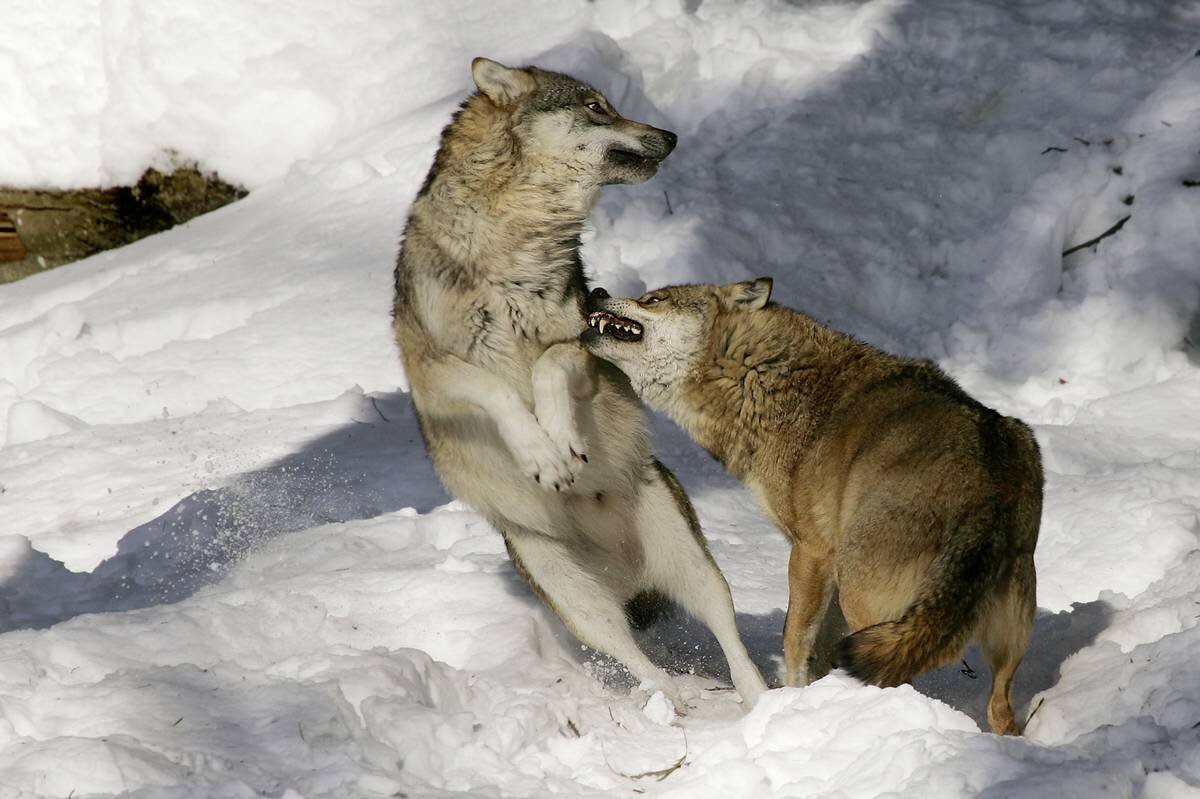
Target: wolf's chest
(533,315)
(515,320)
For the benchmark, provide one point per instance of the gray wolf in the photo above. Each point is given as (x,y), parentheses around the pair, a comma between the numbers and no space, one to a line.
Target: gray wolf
(520,422)
(918,503)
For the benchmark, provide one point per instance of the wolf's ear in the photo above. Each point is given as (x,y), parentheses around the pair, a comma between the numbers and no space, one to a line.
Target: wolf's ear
(502,85)
(749,295)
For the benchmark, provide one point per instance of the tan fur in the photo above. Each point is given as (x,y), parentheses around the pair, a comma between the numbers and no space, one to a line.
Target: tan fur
(520,422)
(918,503)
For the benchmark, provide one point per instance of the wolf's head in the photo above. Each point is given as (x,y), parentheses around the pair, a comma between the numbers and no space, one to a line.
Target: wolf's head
(568,129)
(662,337)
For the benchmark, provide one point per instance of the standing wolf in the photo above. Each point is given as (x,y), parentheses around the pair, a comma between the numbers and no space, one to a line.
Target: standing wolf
(519,420)
(920,504)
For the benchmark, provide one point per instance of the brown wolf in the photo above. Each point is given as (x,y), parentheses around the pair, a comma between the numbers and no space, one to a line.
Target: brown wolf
(917,502)
(548,442)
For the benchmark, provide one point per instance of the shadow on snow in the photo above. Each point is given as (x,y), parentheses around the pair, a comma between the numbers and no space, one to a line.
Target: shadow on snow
(365,469)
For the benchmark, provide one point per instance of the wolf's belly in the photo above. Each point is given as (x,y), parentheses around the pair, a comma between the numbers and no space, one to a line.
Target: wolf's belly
(476,466)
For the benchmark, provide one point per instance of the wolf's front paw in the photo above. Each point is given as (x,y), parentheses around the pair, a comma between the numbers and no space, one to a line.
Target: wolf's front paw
(797,677)
(543,460)
(566,438)
(556,415)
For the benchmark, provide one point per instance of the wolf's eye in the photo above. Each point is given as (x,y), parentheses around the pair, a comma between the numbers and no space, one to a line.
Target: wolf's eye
(653,300)
(595,108)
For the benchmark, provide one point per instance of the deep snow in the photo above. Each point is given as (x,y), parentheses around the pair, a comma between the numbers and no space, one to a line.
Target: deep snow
(228,570)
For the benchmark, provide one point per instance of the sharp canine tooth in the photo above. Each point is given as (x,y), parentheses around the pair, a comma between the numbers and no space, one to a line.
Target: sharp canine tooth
(602,324)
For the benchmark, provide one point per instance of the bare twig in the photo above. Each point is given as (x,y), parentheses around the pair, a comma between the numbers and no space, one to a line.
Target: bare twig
(1054,150)
(661,774)
(667,197)
(1029,718)
(1120,224)
(658,774)
(381,416)
(571,726)
(614,720)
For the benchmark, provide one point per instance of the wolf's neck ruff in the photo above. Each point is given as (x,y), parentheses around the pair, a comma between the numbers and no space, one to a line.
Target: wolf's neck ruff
(498,216)
(749,383)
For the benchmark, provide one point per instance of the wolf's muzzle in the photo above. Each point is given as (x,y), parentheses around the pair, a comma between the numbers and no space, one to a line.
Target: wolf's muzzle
(618,327)
(660,144)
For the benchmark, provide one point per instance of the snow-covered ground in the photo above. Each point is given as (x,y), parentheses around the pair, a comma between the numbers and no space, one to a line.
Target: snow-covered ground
(227,570)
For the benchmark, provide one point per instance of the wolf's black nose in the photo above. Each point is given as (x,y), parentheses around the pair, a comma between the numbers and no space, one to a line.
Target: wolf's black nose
(671,140)
(598,293)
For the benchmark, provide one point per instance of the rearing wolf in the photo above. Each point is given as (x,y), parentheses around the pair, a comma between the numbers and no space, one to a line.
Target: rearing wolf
(548,442)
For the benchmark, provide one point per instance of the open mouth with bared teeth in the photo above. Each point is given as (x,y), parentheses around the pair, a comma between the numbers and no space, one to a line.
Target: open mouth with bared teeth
(618,327)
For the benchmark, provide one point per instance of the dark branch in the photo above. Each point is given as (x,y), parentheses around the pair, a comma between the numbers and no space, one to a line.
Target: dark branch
(1120,224)
(381,416)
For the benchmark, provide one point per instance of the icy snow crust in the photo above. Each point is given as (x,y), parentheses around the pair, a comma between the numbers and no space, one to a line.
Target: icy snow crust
(228,571)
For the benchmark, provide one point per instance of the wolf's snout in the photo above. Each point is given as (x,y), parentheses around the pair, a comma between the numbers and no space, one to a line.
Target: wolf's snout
(660,144)
(595,297)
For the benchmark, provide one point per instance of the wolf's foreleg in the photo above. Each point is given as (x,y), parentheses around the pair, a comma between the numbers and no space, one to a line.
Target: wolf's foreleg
(565,372)
(809,591)
(679,564)
(586,605)
(453,379)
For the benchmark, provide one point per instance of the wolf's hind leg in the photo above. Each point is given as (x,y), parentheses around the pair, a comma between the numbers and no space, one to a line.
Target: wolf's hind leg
(586,605)
(1004,636)
(678,562)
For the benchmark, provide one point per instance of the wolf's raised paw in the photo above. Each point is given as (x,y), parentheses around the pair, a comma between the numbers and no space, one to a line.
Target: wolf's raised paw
(565,437)
(568,441)
(544,461)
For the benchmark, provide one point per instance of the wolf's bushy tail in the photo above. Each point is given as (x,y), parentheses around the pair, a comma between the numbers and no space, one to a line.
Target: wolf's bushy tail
(939,622)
